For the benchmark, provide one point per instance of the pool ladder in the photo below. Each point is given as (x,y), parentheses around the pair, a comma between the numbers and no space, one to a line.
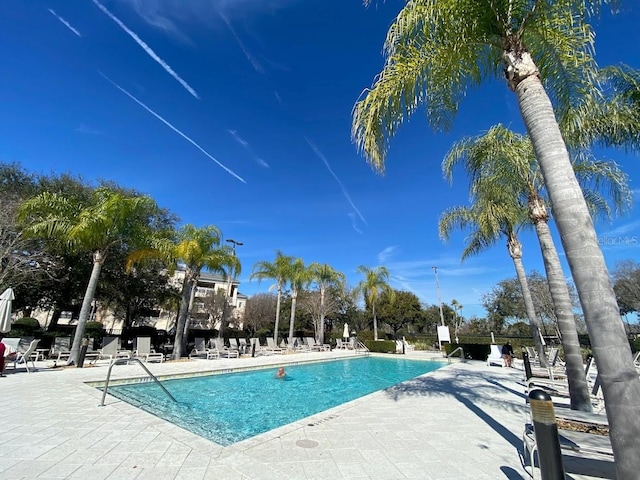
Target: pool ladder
(361,346)
(462,357)
(118,361)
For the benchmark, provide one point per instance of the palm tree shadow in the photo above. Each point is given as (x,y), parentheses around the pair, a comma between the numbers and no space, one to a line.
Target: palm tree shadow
(474,391)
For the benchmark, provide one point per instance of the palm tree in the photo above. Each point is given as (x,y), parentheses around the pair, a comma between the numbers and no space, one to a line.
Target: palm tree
(434,51)
(506,160)
(193,249)
(492,215)
(299,277)
(372,287)
(111,219)
(325,276)
(457,318)
(276,271)
(231,268)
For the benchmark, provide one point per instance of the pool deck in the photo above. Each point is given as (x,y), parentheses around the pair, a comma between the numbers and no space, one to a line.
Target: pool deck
(464,421)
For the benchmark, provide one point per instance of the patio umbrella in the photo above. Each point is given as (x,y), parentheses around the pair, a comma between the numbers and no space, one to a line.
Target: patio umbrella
(345,332)
(5,310)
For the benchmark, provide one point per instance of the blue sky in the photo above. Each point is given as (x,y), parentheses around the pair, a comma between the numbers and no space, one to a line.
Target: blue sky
(237,113)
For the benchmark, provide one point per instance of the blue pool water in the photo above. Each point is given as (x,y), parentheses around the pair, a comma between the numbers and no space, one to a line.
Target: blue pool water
(232,407)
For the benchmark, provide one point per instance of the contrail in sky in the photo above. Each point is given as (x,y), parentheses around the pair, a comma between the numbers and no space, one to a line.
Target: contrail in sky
(188,139)
(247,147)
(147,49)
(344,190)
(252,60)
(64,22)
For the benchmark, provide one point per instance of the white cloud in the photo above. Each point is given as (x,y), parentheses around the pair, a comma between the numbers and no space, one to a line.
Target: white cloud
(188,139)
(88,130)
(148,50)
(354,222)
(252,60)
(386,254)
(64,22)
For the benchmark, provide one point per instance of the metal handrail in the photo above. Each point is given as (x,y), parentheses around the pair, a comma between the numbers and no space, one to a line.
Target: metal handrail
(127,360)
(361,346)
(462,357)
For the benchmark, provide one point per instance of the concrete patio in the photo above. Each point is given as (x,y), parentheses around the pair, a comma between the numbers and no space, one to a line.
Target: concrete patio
(464,421)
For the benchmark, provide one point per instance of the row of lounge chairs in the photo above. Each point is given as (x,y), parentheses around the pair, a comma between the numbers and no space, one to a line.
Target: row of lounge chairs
(216,348)
(553,381)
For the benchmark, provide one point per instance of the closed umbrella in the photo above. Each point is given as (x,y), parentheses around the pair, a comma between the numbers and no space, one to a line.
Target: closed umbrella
(5,310)
(345,332)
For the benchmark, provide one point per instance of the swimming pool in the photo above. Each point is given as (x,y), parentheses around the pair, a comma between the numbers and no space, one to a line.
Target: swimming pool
(228,408)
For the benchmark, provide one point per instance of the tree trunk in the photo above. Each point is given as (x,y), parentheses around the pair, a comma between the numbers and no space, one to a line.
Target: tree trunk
(578,386)
(98,261)
(225,309)
(182,316)
(55,317)
(375,321)
(320,332)
(275,329)
(619,379)
(515,252)
(292,320)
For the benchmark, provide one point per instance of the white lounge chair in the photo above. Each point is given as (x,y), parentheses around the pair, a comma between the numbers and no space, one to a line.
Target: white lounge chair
(144,351)
(272,347)
(495,356)
(26,356)
(61,348)
(223,350)
(200,350)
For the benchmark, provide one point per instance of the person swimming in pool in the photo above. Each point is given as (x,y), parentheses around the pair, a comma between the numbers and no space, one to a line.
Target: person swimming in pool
(281,373)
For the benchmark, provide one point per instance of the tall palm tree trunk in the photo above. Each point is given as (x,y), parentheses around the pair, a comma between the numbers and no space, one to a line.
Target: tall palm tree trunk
(292,320)
(182,317)
(225,310)
(85,310)
(320,332)
(375,321)
(578,386)
(619,379)
(278,300)
(515,252)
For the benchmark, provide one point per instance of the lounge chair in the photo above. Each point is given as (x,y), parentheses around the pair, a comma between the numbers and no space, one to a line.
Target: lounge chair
(223,350)
(109,350)
(144,351)
(200,350)
(26,356)
(407,346)
(234,345)
(272,347)
(495,356)
(61,348)
(243,346)
(259,349)
(313,345)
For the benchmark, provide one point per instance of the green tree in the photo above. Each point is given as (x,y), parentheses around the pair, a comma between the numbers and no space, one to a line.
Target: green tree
(626,278)
(111,219)
(493,214)
(324,276)
(506,161)
(404,310)
(435,50)
(375,283)
(299,277)
(192,249)
(276,270)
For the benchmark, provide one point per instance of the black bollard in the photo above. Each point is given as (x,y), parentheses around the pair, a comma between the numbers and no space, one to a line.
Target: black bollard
(83,352)
(527,365)
(546,431)
(253,348)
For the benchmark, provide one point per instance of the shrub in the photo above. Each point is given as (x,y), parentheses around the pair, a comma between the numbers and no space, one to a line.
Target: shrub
(381,346)
(475,351)
(25,327)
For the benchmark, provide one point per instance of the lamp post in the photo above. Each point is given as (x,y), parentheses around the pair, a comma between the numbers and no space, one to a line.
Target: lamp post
(435,271)
(234,242)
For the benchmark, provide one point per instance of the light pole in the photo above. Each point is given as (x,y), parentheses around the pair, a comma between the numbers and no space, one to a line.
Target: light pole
(435,271)
(231,240)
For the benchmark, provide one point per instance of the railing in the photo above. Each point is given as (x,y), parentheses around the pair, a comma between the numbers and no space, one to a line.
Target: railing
(361,346)
(127,360)
(462,357)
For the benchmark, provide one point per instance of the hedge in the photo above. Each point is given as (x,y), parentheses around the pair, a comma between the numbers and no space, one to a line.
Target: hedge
(381,346)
